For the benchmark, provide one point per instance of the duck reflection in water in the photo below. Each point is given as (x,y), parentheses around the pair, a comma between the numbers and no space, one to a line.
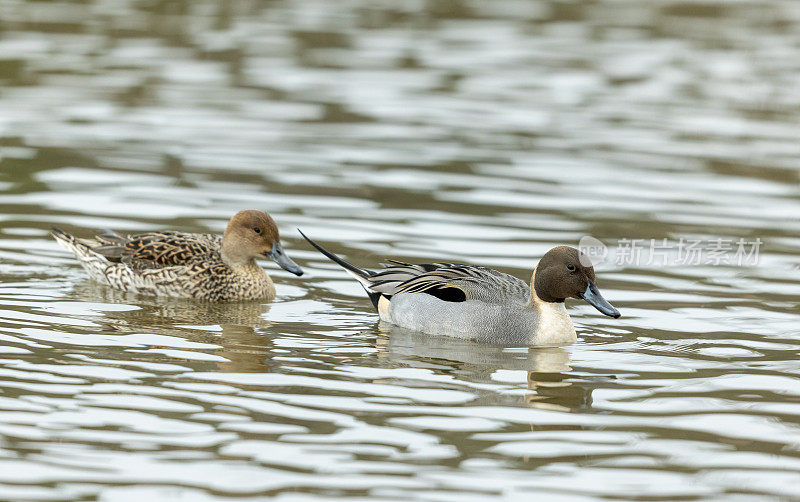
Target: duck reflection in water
(237,332)
(549,382)
(549,376)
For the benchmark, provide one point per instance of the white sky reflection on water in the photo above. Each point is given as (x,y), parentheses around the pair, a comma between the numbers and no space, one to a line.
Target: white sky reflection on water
(482,132)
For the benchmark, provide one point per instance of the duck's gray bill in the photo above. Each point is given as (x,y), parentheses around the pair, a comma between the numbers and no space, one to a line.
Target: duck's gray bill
(286,263)
(596,300)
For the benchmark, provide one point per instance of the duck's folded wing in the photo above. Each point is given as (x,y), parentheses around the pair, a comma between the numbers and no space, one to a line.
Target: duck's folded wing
(449,282)
(156,249)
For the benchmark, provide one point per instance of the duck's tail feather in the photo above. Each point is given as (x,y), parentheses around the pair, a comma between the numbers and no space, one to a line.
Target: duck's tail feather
(94,263)
(360,274)
(71,243)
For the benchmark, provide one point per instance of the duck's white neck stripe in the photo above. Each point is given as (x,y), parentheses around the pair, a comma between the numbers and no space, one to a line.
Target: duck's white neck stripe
(555,326)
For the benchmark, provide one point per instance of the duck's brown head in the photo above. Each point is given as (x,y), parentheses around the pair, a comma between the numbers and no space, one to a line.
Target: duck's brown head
(251,235)
(564,272)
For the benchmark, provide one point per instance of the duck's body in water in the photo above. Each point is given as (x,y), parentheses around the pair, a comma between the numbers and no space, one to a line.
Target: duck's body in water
(187,265)
(475,302)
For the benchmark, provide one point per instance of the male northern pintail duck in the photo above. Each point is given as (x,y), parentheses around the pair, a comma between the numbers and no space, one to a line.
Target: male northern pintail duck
(468,301)
(184,265)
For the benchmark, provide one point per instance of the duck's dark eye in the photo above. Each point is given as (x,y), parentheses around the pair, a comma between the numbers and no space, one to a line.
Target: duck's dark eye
(256,230)
(571,267)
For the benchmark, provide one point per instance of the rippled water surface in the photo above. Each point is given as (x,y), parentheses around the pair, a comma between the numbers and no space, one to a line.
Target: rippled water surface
(481,132)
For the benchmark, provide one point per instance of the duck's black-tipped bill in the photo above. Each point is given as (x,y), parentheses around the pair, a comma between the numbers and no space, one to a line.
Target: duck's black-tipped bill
(279,256)
(595,299)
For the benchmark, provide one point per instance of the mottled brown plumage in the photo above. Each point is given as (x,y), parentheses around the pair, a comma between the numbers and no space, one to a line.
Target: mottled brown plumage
(202,266)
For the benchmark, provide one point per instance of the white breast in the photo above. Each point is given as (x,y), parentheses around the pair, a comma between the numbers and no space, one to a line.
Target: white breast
(555,326)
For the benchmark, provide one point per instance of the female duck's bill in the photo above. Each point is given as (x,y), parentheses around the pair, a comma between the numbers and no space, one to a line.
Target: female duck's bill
(280,257)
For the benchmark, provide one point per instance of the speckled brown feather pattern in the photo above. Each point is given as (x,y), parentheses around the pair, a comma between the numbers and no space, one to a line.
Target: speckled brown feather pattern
(167,249)
(168,263)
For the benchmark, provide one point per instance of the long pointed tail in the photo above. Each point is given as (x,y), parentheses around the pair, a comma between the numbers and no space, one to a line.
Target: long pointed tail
(95,264)
(359,274)
(70,243)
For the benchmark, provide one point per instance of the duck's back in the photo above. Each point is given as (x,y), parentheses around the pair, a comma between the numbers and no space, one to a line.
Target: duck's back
(452,282)
(156,250)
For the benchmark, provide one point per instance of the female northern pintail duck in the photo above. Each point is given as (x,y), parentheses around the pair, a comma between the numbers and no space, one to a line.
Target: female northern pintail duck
(202,266)
(468,301)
